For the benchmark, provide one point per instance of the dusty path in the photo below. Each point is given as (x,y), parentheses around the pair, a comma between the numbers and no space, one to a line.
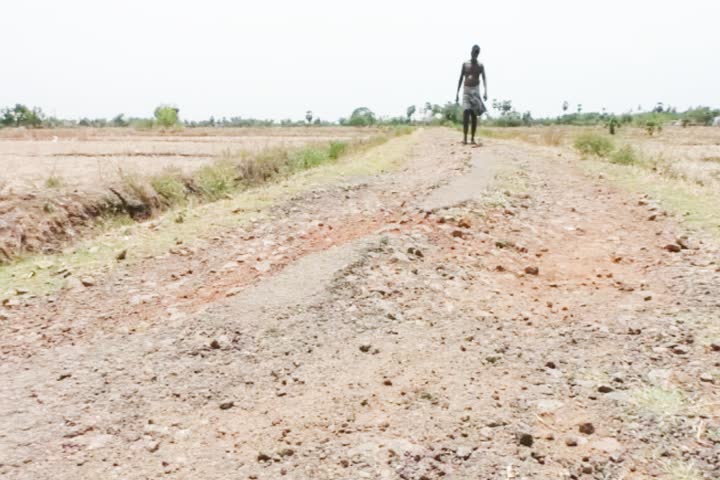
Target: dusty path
(380,329)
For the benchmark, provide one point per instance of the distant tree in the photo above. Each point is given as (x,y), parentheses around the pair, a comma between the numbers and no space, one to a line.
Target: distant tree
(21,116)
(612,124)
(579,108)
(362,116)
(505,107)
(309,116)
(167,116)
(565,106)
(659,108)
(410,112)
(119,121)
(527,118)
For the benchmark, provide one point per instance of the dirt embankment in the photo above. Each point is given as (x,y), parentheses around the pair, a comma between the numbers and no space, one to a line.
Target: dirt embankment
(48,219)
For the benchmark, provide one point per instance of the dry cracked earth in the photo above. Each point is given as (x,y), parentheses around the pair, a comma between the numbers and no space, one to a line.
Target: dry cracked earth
(488,313)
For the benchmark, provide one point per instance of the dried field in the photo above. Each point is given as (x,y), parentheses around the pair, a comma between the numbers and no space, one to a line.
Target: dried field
(88,158)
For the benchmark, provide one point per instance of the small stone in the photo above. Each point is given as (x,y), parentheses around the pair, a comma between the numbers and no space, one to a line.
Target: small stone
(457,234)
(263,457)
(680,350)
(121,256)
(263,267)
(286,452)
(604,389)
(571,441)
(463,452)
(227,405)
(215,345)
(532,270)
(21,291)
(587,428)
(365,348)
(551,365)
(526,440)
(64,376)
(387,382)
(684,242)
(715,346)
(464,223)
(87,281)
(706,377)
(153,446)
(672,247)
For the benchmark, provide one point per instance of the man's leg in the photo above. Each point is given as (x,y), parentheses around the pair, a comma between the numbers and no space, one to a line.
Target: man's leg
(474,125)
(466,124)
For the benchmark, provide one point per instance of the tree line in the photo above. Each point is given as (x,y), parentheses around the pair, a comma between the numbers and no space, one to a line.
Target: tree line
(502,114)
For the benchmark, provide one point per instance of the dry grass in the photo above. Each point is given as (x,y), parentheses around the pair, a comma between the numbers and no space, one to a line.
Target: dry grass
(54,181)
(552,137)
(660,402)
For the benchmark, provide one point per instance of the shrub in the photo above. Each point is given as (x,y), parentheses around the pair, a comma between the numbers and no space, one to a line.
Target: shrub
(593,144)
(166,116)
(308,157)
(552,137)
(624,156)
(170,186)
(217,179)
(54,181)
(337,149)
(262,166)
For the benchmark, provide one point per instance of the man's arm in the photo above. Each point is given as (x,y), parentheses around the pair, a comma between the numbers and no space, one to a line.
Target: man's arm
(462,77)
(484,83)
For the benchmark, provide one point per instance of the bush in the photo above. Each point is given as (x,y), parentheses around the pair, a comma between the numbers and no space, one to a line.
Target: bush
(593,144)
(337,149)
(54,181)
(217,179)
(170,186)
(624,156)
(260,167)
(552,137)
(309,157)
(166,116)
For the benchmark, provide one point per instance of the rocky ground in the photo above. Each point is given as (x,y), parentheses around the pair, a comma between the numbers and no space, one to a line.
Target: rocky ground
(484,313)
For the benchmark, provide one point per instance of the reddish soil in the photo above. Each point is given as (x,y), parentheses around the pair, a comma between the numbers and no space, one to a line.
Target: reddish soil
(531,327)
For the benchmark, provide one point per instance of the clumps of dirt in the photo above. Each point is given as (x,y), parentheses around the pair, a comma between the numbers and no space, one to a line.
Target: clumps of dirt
(42,223)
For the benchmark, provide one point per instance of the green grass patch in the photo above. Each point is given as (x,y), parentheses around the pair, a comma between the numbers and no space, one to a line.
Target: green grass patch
(337,149)
(660,402)
(217,180)
(625,155)
(54,181)
(170,186)
(589,143)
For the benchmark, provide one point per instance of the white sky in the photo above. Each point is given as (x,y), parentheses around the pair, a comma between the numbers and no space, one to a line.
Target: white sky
(276,59)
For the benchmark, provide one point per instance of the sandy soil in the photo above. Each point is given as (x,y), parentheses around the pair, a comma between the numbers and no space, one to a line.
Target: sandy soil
(485,313)
(86,158)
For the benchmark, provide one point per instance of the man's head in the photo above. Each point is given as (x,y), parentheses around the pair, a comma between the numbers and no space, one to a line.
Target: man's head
(475,51)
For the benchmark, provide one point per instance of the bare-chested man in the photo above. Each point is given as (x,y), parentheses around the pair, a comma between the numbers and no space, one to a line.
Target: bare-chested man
(473,105)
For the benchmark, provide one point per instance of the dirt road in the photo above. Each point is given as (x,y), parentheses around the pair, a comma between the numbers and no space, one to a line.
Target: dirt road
(482,313)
